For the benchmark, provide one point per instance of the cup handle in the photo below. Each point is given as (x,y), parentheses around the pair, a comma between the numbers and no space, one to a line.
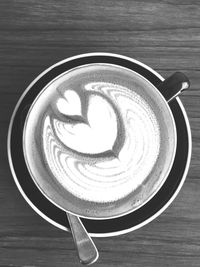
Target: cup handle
(174,85)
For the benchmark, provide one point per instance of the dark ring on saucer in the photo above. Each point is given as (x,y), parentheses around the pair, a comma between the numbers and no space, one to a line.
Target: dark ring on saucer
(96,227)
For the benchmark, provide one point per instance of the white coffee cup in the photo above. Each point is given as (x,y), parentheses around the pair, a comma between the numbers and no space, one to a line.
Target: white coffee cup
(145,96)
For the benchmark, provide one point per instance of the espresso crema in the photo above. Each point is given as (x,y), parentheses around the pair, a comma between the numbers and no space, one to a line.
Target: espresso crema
(94,131)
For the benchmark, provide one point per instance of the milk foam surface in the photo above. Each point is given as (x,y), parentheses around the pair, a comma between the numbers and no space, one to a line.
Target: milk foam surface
(98,137)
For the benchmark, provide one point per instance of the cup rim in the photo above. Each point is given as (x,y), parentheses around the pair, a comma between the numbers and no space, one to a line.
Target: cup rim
(170,164)
(110,55)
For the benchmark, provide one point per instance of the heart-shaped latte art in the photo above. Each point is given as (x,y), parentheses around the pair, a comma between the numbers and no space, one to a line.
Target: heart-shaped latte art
(70,105)
(95,142)
(99,131)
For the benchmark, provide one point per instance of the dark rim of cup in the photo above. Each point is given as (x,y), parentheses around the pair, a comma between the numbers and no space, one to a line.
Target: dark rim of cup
(57,216)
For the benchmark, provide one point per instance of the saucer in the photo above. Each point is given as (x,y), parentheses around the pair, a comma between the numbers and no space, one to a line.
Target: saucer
(109,227)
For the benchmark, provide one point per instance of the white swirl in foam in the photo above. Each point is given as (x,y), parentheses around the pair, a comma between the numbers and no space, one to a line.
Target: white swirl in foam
(109,178)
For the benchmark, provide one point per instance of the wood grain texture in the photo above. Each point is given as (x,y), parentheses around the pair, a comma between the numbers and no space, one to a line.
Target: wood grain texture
(163,34)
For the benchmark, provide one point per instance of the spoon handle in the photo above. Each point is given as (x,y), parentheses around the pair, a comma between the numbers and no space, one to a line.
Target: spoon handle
(174,85)
(86,248)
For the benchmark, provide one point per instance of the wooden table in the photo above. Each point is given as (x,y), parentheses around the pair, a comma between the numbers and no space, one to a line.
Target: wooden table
(34,35)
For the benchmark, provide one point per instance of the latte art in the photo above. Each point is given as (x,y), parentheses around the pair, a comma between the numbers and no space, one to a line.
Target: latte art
(100,141)
(93,134)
